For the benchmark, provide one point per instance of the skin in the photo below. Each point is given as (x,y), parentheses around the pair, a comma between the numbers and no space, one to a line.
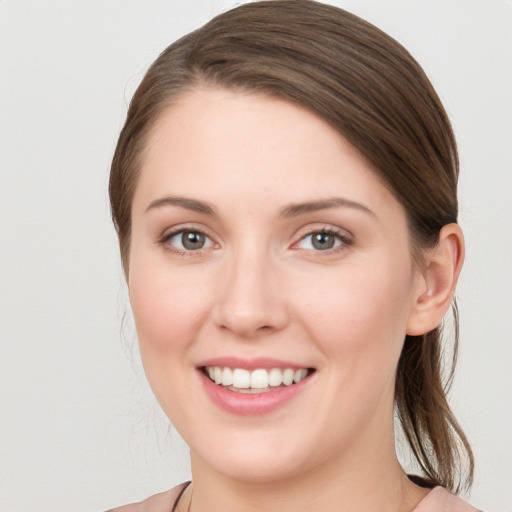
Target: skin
(259,288)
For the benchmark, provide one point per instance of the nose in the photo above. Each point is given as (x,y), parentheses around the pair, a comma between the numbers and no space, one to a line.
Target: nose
(249,301)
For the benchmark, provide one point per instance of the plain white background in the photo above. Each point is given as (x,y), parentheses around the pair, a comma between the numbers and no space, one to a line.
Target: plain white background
(79,429)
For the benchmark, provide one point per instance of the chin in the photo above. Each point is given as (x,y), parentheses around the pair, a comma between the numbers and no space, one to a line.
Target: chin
(257,457)
(259,470)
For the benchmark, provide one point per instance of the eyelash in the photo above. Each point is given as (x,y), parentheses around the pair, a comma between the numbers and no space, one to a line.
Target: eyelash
(165,239)
(344,240)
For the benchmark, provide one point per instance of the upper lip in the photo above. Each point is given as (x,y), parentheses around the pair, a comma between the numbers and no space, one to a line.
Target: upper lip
(251,364)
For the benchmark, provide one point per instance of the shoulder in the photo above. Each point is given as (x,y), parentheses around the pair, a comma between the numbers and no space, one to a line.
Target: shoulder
(440,500)
(161,501)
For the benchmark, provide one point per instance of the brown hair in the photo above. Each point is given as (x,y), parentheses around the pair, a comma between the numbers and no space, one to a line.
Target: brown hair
(368,87)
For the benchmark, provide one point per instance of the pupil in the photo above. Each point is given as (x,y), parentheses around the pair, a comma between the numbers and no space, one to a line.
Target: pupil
(323,241)
(192,240)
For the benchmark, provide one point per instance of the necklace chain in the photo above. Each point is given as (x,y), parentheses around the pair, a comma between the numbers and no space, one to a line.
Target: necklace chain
(190,501)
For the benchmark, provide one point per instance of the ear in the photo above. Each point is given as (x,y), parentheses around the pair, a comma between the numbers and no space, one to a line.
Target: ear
(437,283)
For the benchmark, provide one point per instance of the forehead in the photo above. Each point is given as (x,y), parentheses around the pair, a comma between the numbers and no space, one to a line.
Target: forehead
(213,142)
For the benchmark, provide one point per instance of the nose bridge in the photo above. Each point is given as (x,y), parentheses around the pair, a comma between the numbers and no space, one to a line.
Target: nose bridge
(249,302)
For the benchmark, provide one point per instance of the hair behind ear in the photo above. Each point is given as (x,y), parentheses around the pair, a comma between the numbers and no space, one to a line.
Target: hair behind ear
(436,438)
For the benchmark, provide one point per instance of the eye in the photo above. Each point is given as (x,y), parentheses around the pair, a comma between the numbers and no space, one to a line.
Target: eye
(189,240)
(322,241)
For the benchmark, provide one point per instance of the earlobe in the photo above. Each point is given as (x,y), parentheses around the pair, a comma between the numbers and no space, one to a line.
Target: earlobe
(433,298)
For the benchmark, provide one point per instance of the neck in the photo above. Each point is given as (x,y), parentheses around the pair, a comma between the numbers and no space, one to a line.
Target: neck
(368,477)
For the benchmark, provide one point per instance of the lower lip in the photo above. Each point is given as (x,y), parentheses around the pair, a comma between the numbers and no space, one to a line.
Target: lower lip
(249,404)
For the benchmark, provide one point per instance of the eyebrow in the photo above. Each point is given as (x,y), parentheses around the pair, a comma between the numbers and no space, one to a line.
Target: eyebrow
(291,210)
(295,209)
(183,202)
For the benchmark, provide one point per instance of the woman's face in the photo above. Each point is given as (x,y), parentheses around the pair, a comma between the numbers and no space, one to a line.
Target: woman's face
(264,248)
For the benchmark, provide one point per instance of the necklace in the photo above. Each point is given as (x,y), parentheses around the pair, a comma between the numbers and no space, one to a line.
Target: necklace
(190,502)
(177,504)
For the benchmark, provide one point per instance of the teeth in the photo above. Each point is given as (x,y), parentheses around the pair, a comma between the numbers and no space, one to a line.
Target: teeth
(275,377)
(299,375)
(241,378)
(288,377)
(257,379)
(227,377)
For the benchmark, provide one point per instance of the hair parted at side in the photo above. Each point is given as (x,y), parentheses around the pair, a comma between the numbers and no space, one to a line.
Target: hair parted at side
(370,89)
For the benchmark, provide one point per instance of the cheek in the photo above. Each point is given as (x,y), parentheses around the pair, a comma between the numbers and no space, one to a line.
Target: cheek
(359,316)
(169,307)
(168,311)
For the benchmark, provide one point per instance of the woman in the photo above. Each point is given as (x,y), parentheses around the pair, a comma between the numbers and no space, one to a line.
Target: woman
(284,192)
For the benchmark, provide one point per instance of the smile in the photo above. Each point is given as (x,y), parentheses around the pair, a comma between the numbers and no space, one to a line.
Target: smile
(254,387)
(259,380)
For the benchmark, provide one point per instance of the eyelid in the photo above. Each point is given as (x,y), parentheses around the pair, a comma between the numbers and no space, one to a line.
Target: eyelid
(168,234)
(346,238)
(185,226)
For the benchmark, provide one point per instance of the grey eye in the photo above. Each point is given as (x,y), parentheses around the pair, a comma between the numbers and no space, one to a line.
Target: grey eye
(323,241)
(320,241)
(190,240)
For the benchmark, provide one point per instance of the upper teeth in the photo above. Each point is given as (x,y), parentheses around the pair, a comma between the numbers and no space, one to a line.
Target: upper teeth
(256,379)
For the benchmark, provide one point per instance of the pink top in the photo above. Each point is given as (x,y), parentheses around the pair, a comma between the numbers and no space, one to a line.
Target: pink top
(440,500)
(437,500)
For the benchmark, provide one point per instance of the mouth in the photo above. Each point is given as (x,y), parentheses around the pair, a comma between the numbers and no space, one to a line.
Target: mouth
(260,380)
